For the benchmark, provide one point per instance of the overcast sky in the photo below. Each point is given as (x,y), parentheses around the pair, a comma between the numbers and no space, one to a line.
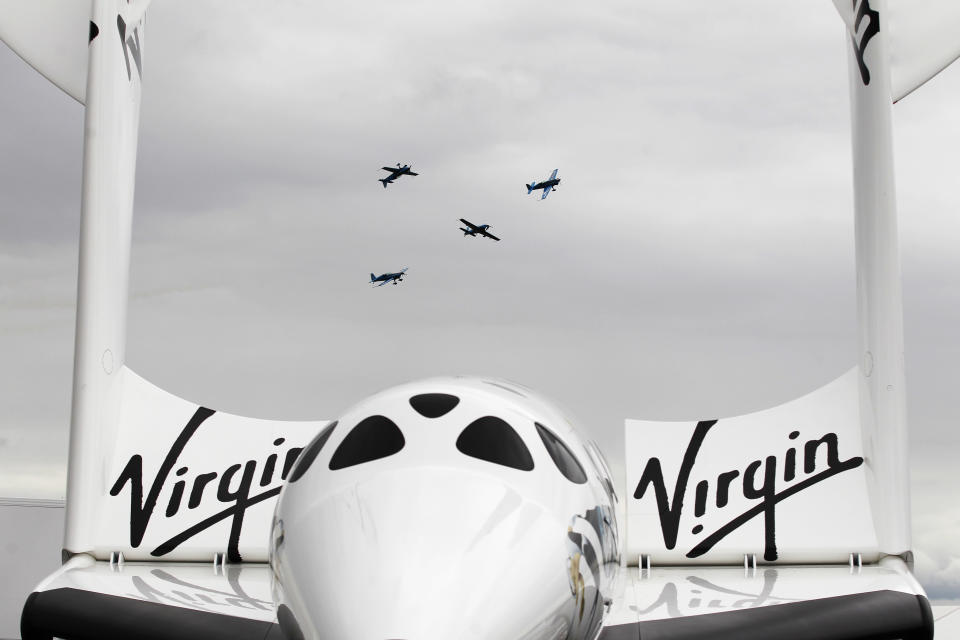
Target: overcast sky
(697,260)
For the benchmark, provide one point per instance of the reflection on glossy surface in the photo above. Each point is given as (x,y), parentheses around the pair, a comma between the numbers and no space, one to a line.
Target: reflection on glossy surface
(441,543)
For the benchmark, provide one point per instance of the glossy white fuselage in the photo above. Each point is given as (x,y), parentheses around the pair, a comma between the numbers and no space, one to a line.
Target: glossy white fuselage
(432,543)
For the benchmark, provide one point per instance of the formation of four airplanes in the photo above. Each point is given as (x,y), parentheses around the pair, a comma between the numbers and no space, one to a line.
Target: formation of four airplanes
(471,230)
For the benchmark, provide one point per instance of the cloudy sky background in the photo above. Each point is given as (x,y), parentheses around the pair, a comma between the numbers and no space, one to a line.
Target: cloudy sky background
(696,261)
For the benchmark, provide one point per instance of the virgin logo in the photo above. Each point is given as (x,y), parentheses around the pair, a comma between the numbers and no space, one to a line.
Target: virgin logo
(757,481)
(237,487)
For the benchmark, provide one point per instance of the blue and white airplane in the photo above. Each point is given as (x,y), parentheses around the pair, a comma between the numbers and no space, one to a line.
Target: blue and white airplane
(546,185)
(388,277)
(396,173)
(473,229)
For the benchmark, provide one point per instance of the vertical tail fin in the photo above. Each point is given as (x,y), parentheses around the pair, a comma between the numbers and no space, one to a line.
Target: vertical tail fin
(109,168)
(879,300)
(844,447)
(127,437)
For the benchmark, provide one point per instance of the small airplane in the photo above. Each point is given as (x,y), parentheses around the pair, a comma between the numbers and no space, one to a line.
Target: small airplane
(546,185)
(388,277)
(396,173)
(473,230)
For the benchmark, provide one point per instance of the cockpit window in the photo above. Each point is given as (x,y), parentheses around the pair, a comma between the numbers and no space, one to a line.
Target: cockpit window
(566,462)
(434,405)
(373,438)
(492,439)
(309,454)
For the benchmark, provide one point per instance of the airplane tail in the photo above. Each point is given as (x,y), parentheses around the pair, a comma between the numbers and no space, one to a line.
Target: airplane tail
(150,476)
(372,278)
(530,188)
(824,478)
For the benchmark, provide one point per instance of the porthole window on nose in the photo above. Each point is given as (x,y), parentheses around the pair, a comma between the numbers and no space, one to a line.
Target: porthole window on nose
(434,405)
(309,454)
(566,462)
(373,438)
(492,439)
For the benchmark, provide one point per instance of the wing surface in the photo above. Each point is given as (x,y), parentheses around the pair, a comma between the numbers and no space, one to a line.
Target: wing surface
(546,191)
(490,235)
(152,601)
(51,36)
(412,173)
(469,224)
(390,169)
(799,602)
(553,175)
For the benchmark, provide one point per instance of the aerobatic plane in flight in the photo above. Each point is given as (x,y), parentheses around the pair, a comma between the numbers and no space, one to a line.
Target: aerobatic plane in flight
(546,185)
(388,277)
(396,173)
(471,507)
(473,230)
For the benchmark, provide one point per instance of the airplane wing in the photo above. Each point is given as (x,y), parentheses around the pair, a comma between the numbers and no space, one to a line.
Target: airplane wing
(546,191)
(880,602)
(412,173)
(469,224)
(553,175)
(154,600)
(813,523)
(390,169)
(490,235)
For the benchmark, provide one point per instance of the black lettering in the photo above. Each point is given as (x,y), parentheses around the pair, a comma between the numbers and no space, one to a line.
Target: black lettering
(240,496)
(288,462)
(267,476)
(873,28)
(131,47)
(175,497)
(767,493)
(196,494)
(723,487)
(169,545)
(790,463)
(653,476)
(708,543)
(140,510)
(810,452)
(700,505)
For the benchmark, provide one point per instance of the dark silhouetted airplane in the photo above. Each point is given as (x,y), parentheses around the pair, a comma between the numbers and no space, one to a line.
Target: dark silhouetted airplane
(473,229)
(388,277)
(396,173)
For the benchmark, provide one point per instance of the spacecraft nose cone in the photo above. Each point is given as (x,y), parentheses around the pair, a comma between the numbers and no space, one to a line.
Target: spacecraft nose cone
(421,553)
